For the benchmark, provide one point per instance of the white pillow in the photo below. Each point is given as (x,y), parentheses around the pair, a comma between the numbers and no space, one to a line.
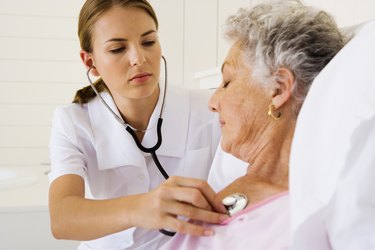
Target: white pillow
(332,165)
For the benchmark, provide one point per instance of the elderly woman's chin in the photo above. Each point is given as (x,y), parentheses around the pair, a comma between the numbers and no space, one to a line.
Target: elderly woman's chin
(224,144)
(228,146)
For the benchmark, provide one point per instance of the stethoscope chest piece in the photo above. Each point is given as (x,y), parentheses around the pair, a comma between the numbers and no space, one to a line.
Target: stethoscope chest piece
(235,203)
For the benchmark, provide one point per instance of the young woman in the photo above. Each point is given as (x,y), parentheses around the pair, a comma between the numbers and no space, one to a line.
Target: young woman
(105,191)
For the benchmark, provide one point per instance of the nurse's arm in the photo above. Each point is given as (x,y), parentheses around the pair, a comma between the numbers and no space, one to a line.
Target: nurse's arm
(76,218)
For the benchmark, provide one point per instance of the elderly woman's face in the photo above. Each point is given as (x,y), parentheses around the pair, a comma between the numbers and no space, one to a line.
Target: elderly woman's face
(241,103)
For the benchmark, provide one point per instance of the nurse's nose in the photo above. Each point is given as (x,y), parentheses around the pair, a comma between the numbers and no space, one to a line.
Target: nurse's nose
(137,57)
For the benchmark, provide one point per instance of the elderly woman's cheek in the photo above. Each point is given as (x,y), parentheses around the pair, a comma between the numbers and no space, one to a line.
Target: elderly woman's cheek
(239,127)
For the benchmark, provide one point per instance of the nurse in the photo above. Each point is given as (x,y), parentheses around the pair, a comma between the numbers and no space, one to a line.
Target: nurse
(104,190)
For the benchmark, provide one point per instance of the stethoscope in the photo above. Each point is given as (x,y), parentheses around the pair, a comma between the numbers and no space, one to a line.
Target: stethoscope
(235,203)
(131,130)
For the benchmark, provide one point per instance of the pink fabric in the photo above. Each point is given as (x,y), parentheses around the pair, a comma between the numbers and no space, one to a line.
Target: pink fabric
(262,226)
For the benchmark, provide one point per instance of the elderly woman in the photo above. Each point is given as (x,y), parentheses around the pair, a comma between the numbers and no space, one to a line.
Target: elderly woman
(278,49)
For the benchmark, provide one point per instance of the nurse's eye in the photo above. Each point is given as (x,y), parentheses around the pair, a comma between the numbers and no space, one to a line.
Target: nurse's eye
(148,43)
(117,50)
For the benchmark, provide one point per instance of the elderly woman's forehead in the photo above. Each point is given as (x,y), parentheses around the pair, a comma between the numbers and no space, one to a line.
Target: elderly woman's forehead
(234,57)
(236,48)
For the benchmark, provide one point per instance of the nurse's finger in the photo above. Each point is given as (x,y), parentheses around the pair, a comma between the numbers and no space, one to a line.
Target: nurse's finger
(186,227)
(195,213)
(204,189)
(191,196)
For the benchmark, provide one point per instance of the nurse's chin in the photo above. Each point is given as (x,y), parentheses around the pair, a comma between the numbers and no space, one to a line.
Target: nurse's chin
(142,91)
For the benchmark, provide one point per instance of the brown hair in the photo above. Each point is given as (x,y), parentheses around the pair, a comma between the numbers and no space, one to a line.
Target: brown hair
(91,11)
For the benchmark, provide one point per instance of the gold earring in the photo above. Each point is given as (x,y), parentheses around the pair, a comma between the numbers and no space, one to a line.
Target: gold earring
(271,110)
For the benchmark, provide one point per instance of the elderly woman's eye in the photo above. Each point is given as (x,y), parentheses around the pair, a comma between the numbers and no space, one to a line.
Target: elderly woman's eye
(225,84)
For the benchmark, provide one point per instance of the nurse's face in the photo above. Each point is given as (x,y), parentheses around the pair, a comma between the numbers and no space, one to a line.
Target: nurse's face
(242,105)
(126,52)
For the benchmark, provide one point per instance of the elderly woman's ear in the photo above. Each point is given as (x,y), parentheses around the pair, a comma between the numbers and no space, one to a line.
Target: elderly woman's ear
(285,80)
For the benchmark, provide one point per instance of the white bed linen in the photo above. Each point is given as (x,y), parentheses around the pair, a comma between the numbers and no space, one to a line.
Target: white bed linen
(332,168)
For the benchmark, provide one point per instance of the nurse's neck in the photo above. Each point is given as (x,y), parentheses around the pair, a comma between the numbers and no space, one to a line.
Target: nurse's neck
(137,112)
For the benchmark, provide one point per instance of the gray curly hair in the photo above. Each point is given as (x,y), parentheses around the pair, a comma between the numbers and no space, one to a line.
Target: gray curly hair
(288,34)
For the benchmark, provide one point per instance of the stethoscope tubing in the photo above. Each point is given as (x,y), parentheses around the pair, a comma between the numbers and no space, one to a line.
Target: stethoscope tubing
(153,149)
(139,144)
(131,131)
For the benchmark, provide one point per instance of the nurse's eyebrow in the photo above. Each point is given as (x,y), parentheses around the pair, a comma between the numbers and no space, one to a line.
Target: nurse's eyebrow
(148,32)
(124,40)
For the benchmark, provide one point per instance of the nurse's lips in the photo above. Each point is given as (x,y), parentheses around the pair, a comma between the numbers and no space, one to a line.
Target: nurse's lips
(140,78)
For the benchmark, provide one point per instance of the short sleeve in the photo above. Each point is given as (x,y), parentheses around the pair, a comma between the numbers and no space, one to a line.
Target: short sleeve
(65,154)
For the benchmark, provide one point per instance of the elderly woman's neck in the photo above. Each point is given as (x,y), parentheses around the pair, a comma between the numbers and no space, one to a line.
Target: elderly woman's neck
(269,161)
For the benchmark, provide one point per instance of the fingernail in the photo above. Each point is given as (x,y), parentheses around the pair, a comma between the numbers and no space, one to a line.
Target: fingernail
(223,217)
(208,232)
(223,209)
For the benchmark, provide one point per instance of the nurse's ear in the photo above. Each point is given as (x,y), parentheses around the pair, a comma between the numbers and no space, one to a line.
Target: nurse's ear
(88,61)
(285,81)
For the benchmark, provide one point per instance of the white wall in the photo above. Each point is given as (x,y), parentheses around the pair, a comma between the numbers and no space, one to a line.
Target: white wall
(39,69)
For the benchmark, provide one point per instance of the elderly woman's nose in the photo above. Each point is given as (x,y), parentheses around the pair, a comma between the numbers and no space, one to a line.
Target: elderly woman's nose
(213,109)
(213,102)
(136,56)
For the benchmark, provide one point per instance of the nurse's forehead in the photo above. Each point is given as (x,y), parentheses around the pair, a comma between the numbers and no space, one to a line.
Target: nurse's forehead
(120,22)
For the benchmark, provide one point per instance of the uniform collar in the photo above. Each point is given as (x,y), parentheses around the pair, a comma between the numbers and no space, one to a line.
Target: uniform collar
(115,147)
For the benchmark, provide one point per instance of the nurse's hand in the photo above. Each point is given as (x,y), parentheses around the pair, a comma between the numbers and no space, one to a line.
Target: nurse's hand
(191,198)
